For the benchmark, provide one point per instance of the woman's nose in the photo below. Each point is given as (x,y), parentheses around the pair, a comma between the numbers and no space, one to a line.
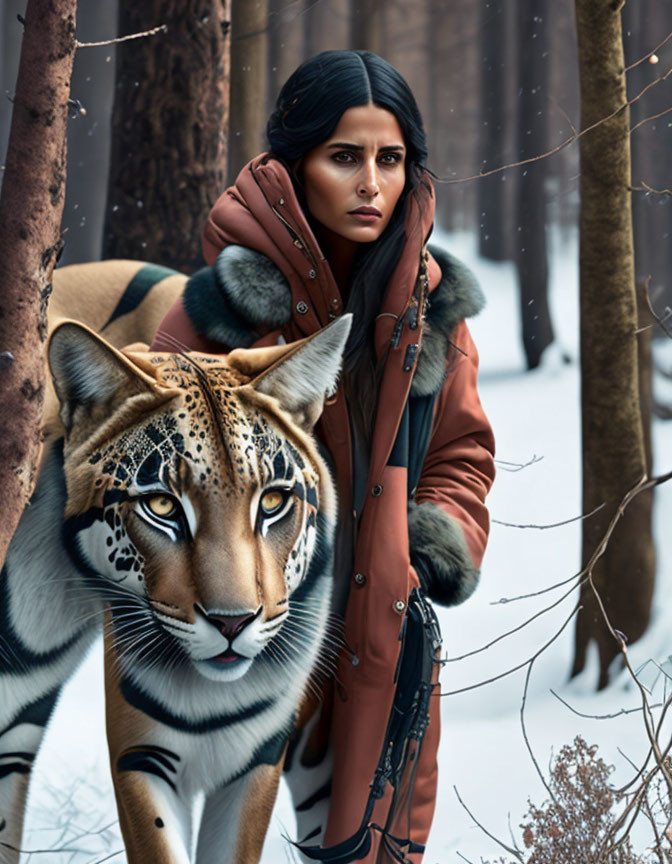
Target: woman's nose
(368,182)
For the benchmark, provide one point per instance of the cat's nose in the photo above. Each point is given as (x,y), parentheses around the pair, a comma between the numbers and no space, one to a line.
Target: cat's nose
(230,625)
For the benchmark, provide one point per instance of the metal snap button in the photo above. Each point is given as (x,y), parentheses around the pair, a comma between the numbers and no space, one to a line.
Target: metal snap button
(377,490)
(281,201)
(355,660)
(312,274)
(360,579)
(399,606)
(302,307)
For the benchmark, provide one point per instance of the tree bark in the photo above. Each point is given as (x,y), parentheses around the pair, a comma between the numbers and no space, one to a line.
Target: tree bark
(529,231)
(248,83)
(613,442)
(286,46)
(30,216)
(168,156)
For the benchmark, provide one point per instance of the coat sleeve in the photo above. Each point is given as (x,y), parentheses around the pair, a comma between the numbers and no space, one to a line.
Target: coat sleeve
(448,520)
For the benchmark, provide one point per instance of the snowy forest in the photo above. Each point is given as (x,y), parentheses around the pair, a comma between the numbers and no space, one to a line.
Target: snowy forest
(550,132)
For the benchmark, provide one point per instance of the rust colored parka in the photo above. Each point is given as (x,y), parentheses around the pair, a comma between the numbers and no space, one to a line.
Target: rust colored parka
(433,531)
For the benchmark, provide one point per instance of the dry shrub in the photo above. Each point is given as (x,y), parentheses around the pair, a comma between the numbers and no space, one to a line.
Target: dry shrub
(576,825)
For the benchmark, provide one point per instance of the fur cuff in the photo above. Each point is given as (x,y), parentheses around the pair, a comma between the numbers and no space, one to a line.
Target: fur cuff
(440,555)
(457,296)
(254,286)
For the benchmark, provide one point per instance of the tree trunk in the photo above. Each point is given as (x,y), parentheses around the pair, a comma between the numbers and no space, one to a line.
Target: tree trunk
(248,83)
(168,158)
(286,48)
(529,236)
(494,196)
(613,443)
(366,25)
(30,216)
(88,135)
(646,23)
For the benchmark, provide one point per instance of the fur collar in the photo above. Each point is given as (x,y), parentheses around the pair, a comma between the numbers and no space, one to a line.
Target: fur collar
(245,293)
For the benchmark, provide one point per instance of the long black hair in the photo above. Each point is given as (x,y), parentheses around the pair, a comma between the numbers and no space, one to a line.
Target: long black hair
(307,112)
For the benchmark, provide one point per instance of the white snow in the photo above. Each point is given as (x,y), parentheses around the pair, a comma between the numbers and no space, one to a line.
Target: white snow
(482,751)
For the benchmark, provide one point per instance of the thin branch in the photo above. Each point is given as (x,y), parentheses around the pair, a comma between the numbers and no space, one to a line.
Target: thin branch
(622,712)
(162,28)
(650,54)
(508,672)
(646,188)
(552,524)
(527,740)
(651,117)
(518,466)
(563,144)
(511,851)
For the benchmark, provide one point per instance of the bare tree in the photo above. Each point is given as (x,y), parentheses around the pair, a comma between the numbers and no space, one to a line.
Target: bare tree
(529,230)
(30,216)
(248,82)
(168,156)
(613,442)
(366,25)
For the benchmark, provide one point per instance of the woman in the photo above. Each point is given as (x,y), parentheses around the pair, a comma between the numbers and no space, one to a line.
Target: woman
(336,217)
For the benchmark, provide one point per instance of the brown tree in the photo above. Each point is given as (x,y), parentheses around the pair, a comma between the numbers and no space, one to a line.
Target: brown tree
(168,156)
(248,82)
(613,442)
(30,216)
(366,25)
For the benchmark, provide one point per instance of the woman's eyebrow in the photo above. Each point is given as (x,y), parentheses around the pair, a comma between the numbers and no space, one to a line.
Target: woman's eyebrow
(344,145)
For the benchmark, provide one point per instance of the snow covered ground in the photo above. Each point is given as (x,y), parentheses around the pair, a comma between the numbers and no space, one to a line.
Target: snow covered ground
(482,751)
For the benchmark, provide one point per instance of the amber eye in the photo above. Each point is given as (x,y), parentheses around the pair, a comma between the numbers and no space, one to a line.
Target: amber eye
(162,506)
(271,502)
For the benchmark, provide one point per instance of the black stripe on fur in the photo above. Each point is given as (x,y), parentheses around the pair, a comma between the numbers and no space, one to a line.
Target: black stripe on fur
(440,554)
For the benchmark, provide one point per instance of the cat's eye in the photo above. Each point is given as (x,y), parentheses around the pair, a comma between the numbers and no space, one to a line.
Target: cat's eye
(272,501)
(161,506)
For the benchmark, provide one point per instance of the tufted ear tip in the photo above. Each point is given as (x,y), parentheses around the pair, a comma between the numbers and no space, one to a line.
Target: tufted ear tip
(308,371)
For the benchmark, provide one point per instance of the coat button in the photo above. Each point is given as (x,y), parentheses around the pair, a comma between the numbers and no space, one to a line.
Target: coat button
(377,490)
(360,579)
(302,307)
(312,274)
(399,606)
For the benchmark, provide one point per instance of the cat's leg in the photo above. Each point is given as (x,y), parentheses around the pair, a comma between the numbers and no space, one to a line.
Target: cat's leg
(155,799)
(236,817)
(30,681)
(47,622)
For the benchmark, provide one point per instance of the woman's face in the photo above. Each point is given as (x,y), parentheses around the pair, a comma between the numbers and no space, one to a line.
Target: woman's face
(353,180)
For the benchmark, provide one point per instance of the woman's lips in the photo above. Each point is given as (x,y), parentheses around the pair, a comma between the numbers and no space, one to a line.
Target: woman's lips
(366,214)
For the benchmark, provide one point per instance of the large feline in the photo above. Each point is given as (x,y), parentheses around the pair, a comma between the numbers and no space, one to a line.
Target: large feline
(182,499)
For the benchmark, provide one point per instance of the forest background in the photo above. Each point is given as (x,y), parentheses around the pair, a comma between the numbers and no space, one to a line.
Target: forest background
(498,84)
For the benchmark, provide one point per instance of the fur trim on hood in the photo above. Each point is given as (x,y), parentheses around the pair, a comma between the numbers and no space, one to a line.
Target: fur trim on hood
(245,293)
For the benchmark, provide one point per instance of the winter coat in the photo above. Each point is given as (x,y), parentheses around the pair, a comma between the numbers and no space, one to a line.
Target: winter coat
(431,459)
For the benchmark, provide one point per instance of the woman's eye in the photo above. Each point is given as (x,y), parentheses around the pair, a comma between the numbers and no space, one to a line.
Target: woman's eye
(390,158)
(162,506)
(344,157)
(271,502)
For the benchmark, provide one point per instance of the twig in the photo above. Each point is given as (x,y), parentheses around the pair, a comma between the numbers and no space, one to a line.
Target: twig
(650,54)
(503,600)
(621,713)
(520,665)
(651,117)
(518,466)
(552,524)
(527,740)
(162,28)
(511,851)
(646,188)
(513,630)
(562,144)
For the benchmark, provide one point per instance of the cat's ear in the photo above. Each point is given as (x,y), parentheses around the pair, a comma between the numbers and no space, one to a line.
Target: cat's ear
(299,375)
(87,372)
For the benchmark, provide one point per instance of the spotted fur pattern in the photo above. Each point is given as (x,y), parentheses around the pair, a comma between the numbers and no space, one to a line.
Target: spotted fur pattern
(187,506)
